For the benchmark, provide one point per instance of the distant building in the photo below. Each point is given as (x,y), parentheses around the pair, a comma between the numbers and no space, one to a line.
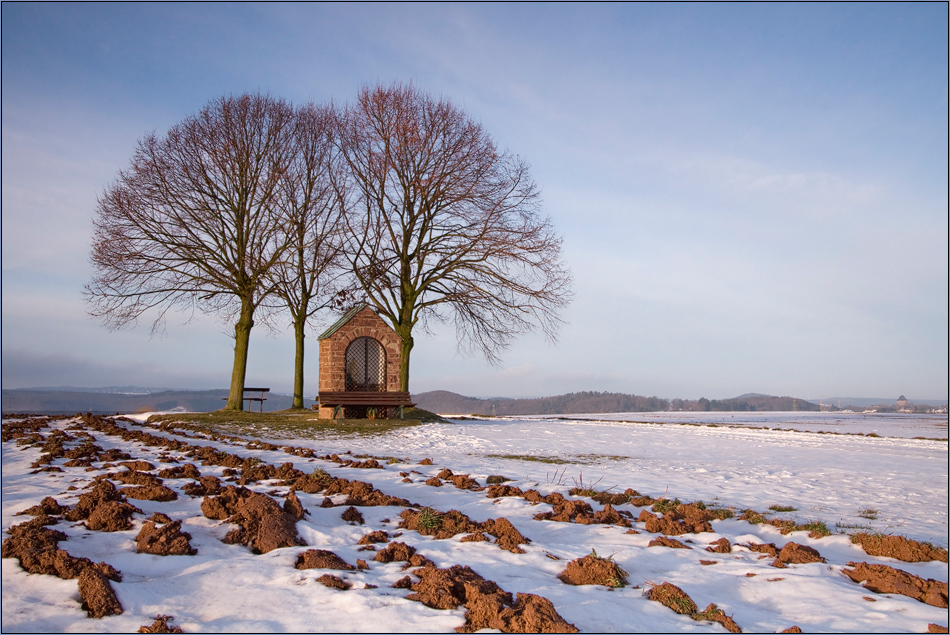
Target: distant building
(902,401)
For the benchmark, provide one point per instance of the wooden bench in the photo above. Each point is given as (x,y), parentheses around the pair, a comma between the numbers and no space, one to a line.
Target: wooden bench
(340,399)
(249,400)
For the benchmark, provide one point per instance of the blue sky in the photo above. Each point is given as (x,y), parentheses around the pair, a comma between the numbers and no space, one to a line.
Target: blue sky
(753,198)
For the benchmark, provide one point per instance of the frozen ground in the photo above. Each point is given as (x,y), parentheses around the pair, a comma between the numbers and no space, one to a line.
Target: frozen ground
(883,424)
(840,479)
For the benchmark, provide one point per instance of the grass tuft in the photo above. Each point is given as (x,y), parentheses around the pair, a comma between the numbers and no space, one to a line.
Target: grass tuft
(783,508)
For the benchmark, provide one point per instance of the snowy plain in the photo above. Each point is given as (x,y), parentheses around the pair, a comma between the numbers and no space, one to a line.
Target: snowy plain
(840,479)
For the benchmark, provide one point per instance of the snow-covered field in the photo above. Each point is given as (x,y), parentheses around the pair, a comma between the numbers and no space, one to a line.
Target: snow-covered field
(890,483)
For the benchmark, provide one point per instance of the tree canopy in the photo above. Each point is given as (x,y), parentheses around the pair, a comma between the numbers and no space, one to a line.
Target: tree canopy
(443,225)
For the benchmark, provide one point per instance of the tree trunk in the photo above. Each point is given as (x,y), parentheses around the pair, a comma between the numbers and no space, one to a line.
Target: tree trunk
(404,361)
(299,325)
(242,335)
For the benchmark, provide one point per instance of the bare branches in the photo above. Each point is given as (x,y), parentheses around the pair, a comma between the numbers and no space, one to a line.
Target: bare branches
(443,223)
(196,220)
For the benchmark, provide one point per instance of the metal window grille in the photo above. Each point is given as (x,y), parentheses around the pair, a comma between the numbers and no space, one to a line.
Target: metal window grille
(365,365)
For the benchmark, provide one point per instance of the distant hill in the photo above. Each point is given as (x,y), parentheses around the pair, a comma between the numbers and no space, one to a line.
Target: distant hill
(47,401)
(445,402)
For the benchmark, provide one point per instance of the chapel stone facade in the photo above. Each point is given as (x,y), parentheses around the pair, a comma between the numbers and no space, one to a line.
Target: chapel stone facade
(359,322)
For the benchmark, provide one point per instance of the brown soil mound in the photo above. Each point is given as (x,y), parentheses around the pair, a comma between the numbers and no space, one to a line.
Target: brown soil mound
(450,588)
(141,466)
(435,481)
(592,569)
(937,628)
(792,629)
(98,596)
(881,578)
(374,537)
(363,494)
(132,477)
(499,490)
(114,454)
(395,552)
(530,614)
(206,486)
(794,553)
(898,547)
(111,516)
(569,511)
(663,541)
(167,540)
(254,470)
(159,518)
(47,507)
(425,462)
(334,582)
(446,473)
(507,537)
(36,547)
(264,526)
(488,605)
(713,613)
(158,493)
(767,548)
(720,546)
(609,516)
(464,481)
(475,537)
(322,559)
(684,519)
(352,515)
(672,597)
(103,508)
(188,470)
(294,507)
(160,625)
(441,526)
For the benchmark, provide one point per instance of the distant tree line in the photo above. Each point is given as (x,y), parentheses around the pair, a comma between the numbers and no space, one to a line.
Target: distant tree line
(256,210)
(745,404)
(445,402)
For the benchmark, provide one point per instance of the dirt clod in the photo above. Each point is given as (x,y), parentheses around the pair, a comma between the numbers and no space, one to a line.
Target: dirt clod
(898,547)
(683,519)
(98,596)
(353,515)
(47,507)
(395,552)
(672,597)
(713,613)
(374,537)
(334,582)
(167,540)
(720,546)
(153,493)
(794,553)
(488,605)
(592,569)
(104,509)
(161,625)
(322,559)
(293,506)
(881,578)
(664,541)
(264,526)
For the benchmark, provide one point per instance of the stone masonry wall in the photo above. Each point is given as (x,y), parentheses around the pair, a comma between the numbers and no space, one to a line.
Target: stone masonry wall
(333,353)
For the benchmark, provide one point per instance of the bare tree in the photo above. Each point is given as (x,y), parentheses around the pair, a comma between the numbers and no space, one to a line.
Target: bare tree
(308,279)
(194,222)
(442,225)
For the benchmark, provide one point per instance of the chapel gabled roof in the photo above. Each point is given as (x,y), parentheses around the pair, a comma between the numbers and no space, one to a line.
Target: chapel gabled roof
(349,315)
